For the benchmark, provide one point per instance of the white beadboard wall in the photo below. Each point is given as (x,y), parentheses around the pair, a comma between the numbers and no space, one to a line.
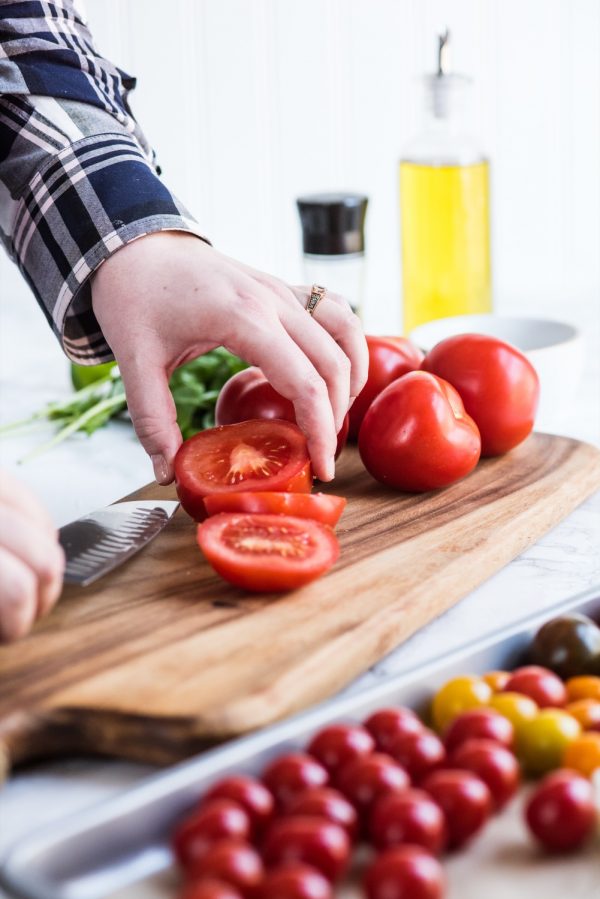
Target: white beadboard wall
(251,102)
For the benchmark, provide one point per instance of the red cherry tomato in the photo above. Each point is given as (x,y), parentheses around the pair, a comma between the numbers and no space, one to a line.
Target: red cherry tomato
(291,775)
(267,553)
(313,841)
(219,820)
(494,764)
(251,794)
(465,801)
(406,872)
(249,395)
(388,725)
(560,812)
(540,684)
(389,358)
(254,455)
(416,435)
(232,861)
(321,507)
(408,816)
(419,753)
(209,889)
(497,383)
(485,724)
(365,779)
(324,802)
(340,743)
(295,881)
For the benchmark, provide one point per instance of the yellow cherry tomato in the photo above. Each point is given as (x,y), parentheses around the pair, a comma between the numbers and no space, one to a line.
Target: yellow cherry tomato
(519,709)
(583,754)
(457,695)
(497,680)
(587,686)
(545,738)
(587,712)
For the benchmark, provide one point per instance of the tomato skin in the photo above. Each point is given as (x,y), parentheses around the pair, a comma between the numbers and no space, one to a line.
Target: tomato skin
(416,435)
(456,696)
(256,800)
(388,725)
(288,776)
(295,880)
(232,861)
(419,754)
(497,680)
(406,872)
(209,889)
(338,744)
(321,507)
(495,765)
(226,541)
(587,712)
(366,778)
(541,684)
(408,816)
(498,385)
(583,687)
(218,820)
(313,841)
(544,739)
(389,358)
(465,801)
(583,754)
(560,813)
(484,724)
(330,804)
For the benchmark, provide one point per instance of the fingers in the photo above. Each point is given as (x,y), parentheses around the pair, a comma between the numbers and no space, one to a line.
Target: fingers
(38,550)
(18,597)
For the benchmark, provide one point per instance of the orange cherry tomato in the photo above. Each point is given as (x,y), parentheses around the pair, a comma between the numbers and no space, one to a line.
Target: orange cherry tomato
(583,754)
(497,680)
(587,712)
(586,686)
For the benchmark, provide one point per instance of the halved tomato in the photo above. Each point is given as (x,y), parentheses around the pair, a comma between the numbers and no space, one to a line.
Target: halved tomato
(267,553)
(318,506)
(249,456)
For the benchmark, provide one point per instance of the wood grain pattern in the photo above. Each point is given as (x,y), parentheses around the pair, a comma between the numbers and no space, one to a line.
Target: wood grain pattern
(162,656)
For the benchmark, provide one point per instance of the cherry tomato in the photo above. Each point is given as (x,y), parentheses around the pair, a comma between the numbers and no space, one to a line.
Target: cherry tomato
(363,780)
(312,841)
(267,553)
(419,753)
(295,881)
(465,801)
(234,862)
(386,725)
(485,724)
(248,395)
(543,739)
(324,802)
(498,385)
(561,813)
(209,889)
(290,775)
(406,872)
(340,743)
(587,712)
(496,680)
(218,820)
(583,687)
(416,435)
(389,358)
(583,754)
(517,708)
(542,685)
(568,645)
(408,816)
(254,455)
(251,794)
(494,764)
(321,507)
(457,695)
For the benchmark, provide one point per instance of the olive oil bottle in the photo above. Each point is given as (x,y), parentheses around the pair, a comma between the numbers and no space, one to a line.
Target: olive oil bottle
(444,209)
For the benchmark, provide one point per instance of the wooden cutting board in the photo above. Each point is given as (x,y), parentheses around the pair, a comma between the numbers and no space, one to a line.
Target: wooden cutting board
(162,656)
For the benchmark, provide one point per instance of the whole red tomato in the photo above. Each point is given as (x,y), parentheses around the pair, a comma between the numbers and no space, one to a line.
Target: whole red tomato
(541,684)
(251,794)
(561,813)
(419,753)
(389,358)
(209,889)
(498,385)
(324,802)
(366,778)
(494,764)
(388,725)
(465,801)
(232,861)
(313,841)
(417,436)
(474,724)
(218,820)
(406,872)
(290,775)
(294,880)
(408,816)
(340,743)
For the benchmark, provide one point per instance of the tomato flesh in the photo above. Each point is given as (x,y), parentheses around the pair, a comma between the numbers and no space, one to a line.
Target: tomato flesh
(318,506)
(267,553)
(250,456)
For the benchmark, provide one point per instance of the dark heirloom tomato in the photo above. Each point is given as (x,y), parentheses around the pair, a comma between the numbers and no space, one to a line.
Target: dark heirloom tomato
(568,645)
(234,862)
(389,358)
(254,455)
(366,778)
(494,764)
(465,801)
(219,820)
(406,872)
(324,802)
(416,435)
(295,880)
(291,775)
(256,800)
(388,725)
(321,507)
(497,383)
(340,743)
(408,816)
(314,841)
(267,553)
(544,687)
(561,812)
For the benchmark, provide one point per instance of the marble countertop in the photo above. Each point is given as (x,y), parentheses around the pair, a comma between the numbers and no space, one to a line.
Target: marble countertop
(86,473)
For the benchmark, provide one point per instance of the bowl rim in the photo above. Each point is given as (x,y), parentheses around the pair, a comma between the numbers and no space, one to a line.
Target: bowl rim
(570,332)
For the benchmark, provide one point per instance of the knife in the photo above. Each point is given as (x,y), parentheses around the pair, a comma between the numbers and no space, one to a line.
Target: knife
(100,541)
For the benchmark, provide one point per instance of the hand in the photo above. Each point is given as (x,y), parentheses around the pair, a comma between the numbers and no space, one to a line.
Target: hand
(31,560)
(169,297)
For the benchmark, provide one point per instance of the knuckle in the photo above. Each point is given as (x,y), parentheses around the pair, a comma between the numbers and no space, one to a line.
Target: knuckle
(314,387)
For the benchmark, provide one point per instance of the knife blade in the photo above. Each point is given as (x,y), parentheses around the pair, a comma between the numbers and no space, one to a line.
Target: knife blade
(100,541)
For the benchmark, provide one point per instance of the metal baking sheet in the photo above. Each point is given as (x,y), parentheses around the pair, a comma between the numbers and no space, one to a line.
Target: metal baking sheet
(119,848)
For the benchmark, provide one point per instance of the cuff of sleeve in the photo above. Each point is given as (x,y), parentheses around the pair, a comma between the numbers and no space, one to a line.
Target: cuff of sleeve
(85,204)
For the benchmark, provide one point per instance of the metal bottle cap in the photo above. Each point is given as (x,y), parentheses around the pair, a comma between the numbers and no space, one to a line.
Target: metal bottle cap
(332,223)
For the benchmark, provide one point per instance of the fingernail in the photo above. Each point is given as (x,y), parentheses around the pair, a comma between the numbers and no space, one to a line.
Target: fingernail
(161,472)
(330,470)
(352,398)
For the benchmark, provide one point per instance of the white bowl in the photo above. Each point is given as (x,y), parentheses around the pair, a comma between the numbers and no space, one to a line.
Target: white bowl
(555,349)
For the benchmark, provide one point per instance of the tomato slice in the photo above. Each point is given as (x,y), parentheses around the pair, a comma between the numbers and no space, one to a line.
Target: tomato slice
(318,506)
(267,553)
(249,456)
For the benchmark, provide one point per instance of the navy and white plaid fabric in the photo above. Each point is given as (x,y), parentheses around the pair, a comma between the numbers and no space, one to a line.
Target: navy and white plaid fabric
(77,177)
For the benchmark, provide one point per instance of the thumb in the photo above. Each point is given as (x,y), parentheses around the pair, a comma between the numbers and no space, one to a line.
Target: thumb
(154,416)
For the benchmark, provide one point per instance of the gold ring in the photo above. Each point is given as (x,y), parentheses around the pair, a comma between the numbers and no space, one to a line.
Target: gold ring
(316,295)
